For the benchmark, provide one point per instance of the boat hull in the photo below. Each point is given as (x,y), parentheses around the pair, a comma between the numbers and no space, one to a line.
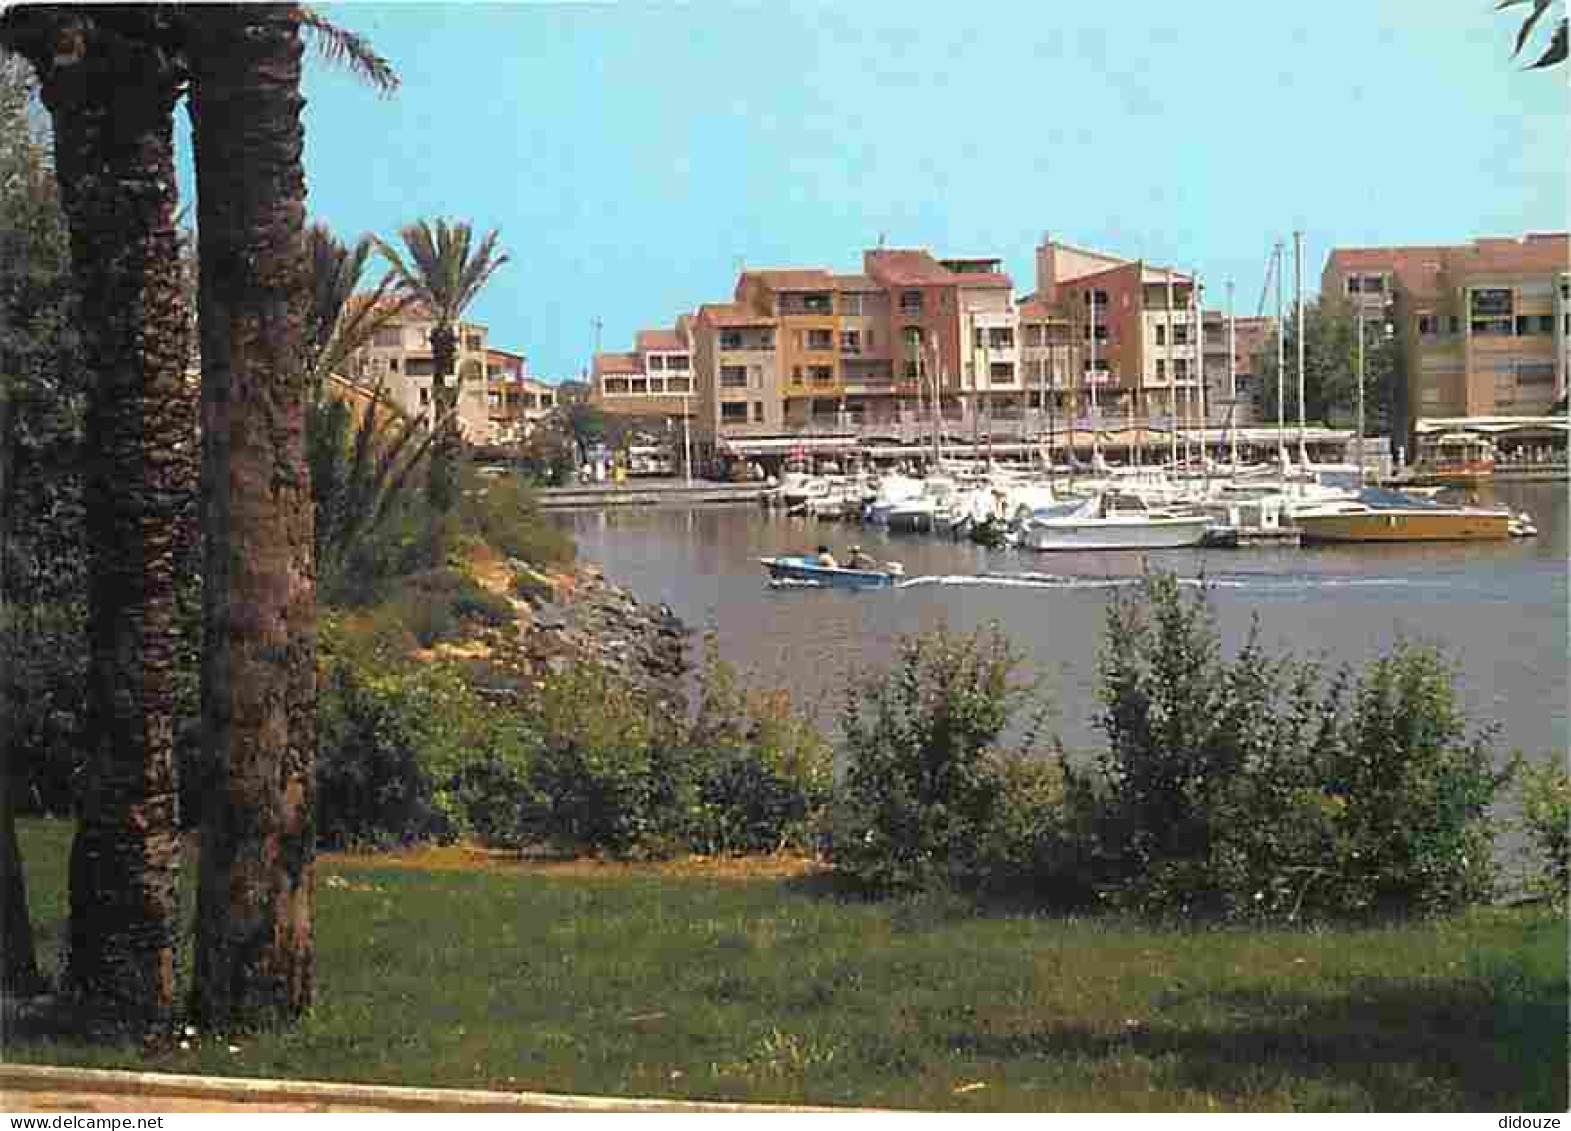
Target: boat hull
(1115,534)
(1377,526)
(805,571)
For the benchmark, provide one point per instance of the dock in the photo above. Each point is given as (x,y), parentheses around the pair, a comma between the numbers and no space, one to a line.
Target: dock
(646,493)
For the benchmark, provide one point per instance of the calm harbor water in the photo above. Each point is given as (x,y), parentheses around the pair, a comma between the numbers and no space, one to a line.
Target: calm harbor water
(1498,610)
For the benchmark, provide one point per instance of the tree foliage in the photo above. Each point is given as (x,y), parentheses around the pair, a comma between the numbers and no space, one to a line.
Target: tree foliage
(1555,50)
(1330,370)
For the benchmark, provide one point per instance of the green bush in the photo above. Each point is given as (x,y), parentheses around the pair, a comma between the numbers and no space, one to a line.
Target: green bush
(602,777)
(1255,788)
(1414,788)
(504,513)
(413,752)
(763,774)
(924,785)
(1546,817)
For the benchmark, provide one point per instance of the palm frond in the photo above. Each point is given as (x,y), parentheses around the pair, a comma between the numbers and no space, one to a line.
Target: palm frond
(1557,50)
(441,271)
(347,49)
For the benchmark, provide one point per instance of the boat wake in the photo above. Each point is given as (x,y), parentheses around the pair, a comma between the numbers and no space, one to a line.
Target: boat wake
(1263,583)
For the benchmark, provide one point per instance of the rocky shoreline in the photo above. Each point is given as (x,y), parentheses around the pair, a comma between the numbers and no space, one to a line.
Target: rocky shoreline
(581,616)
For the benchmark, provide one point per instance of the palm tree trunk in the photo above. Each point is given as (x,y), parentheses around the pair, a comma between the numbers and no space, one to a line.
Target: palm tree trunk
(442,485)
(254,956)
(112,103)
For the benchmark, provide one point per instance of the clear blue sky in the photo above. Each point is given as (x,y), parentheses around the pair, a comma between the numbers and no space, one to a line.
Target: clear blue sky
(632,156)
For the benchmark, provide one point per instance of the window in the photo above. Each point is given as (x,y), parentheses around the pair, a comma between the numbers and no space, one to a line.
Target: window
(420,367)
(766,340)
(1535,373)
(677,361)
(1213,335)
(1180,368)
(1454,324)
(392,364)
(733,412)
(1096,297)
(820,339)
(1161,335)
(1374,284)
(758,412)
(1001,338)
(656,363)
(1036,335)
(1101,333)
(1352,284)
(1491,302)
(615,386)
(796,375)
(850,341)
(822,374)
(1161,370)
(389,338)
(493,401)
(1002,373)
(910,371)
(851,304)
(638,386)
(910,302)
(1491,327)
(1180,335)
(425,395)
(730,339)
(816,303)
(1546,323)
(1428,325)
(1526,324)
(733,377)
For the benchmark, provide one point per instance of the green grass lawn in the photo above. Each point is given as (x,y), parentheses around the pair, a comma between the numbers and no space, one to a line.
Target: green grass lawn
(640,982)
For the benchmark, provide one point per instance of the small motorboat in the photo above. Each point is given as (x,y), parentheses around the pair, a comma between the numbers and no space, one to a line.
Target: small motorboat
(802,569)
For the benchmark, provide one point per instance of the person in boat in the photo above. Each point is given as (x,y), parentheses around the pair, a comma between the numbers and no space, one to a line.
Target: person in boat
(856,559)
(825,559)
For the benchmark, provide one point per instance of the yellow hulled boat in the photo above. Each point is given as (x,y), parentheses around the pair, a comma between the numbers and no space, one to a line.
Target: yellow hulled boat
(1378,515)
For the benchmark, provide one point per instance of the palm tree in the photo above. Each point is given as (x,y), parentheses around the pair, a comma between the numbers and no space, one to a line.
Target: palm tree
(109,77)
(1555,52)
(361,467)
(444,278)
(255,953)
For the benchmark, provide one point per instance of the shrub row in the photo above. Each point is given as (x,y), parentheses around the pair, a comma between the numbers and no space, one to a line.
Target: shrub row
(1243,787)
(582,763)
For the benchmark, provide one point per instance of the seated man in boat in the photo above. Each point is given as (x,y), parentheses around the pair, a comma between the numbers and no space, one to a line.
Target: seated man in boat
(826,559)
(856,559)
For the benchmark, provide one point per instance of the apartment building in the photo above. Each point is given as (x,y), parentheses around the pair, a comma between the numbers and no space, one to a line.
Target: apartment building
(1230,392)
(1135,326)
(654,379)
(399,357)
(515,402)
(1484,326)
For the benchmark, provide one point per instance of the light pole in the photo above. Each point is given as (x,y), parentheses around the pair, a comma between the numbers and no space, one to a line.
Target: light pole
(687,437)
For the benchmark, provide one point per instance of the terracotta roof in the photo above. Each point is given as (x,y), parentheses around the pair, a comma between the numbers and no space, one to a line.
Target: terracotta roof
(793,279)
(618,363)
(732,314)
(1034,309)
(988,279)
(489,350)
(1417,269)
(854,283)
(905,267)
(658,341)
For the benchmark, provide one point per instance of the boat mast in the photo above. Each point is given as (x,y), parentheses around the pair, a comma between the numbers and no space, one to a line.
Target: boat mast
(1281,367)
(1200,378)
(938,451)
(1232,380)
(1298,301)
(1096,423)
(1360,442)
(1172,382)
